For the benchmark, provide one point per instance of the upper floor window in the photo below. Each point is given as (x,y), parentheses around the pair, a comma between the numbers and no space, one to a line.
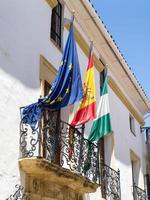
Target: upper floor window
(56,21)
(132,124)
(102,78)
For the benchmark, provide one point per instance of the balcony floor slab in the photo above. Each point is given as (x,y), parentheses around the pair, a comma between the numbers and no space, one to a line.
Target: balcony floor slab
(41,168)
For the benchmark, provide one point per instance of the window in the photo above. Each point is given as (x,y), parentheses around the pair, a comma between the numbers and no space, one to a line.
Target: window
(135,167)
(102,78)
(56,19)
(135,171)
(51,115)
(101,141)
(47,88)
(51,123)
(147,184)
(132,124)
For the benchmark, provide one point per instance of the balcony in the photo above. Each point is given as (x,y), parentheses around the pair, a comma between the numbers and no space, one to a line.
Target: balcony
(59,152)
(138,193)
(110,183)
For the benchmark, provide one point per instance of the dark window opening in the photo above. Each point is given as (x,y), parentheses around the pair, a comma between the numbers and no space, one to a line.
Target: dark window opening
(56,24)
(102,78)
(132,124)
(51,130)
(101,141)
(147,185)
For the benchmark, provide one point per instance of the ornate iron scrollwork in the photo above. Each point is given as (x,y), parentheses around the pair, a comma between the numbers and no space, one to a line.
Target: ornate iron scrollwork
(110,183)
(19,194)
(62,144)
(82,153)
(29,140)
(138,193)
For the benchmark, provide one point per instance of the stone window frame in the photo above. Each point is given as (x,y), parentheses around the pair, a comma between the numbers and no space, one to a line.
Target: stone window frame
(47,73)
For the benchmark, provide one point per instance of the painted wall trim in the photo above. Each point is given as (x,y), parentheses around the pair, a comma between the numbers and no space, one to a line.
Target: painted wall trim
(52,3)
(112,56)
(47,73)
(114,49)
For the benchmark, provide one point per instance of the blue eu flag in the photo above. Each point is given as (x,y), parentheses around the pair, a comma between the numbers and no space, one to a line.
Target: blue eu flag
(66,89)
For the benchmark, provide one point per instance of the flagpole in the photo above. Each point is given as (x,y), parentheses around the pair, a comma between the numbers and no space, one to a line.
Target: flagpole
(105,70)
(91,47)
(90,51)
(83,125)
(72,18)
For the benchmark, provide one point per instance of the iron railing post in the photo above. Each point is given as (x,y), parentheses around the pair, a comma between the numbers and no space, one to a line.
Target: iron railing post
(98,164)
(81,148)
(119,183)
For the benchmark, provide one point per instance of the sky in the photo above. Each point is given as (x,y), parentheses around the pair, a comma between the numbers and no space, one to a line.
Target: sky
(128,21)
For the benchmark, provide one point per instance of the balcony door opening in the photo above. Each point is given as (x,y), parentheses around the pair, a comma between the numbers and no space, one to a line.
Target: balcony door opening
(51,131)
(135,167)
(135,171)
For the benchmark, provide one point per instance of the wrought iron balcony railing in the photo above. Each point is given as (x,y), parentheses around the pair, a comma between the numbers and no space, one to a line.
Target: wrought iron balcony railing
(138,193)
(19,194)
(147,185)
(110,183)
(62,144)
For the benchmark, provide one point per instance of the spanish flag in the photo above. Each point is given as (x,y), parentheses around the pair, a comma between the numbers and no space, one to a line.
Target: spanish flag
(87,107)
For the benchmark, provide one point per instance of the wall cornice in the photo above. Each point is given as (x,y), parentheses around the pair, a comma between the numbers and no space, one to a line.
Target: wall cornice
(91,27)
(99,66)
(52,3)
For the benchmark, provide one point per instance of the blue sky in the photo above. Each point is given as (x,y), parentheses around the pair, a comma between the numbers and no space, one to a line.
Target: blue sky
(129,23)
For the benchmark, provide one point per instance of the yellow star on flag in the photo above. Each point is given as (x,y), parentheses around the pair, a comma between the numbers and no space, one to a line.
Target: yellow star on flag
(67,91)
(70,66)
(59,98)
(52,102)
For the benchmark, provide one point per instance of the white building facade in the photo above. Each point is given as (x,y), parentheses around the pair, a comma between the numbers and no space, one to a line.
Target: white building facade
(31,47)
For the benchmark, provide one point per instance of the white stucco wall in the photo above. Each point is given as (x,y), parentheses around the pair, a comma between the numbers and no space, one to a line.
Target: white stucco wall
(124,140)
(24,35)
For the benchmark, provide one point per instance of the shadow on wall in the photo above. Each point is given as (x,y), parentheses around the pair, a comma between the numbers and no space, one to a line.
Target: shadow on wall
(23,37)
(26,72)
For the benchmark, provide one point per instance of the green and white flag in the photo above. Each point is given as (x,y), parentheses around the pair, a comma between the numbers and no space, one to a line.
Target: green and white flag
(102,124)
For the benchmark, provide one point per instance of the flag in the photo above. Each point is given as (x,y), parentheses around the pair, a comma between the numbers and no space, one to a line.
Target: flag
(102,124)
(66,89)
(86,110)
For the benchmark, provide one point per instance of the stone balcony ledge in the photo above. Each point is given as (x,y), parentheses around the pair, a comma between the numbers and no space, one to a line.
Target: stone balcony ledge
(42,168)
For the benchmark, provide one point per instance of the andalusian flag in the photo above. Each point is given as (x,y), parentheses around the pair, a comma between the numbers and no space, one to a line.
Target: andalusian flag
(86,110)
(102,124)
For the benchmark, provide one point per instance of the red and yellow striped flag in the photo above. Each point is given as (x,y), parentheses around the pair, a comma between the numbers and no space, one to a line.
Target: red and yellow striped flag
(87,110)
